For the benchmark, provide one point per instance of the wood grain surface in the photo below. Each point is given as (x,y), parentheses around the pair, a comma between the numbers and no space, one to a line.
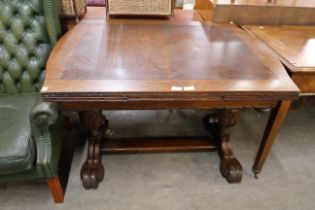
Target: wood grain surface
(180,60)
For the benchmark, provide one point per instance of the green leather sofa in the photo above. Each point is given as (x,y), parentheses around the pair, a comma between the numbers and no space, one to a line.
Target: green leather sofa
(30,130)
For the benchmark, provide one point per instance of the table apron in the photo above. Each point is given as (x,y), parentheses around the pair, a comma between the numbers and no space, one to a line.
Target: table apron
(305,81)
(162,104)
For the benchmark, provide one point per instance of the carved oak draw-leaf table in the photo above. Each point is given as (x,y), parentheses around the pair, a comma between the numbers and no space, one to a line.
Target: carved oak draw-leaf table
(159,64)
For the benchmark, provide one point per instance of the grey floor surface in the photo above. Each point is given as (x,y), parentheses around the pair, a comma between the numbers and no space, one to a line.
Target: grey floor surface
(180,181)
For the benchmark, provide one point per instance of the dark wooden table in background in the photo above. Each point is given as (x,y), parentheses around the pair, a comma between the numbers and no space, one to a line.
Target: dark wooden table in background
(295,46)
(156,64)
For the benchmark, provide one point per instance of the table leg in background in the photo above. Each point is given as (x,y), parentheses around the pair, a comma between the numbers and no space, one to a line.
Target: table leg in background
(275,121)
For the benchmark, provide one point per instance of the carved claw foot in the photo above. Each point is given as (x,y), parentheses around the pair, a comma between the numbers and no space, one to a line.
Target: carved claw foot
(91,175)
(92,171)
(232,170)
(220,127)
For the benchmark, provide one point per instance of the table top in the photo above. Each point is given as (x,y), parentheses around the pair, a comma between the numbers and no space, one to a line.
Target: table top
(134,58)
(295,45)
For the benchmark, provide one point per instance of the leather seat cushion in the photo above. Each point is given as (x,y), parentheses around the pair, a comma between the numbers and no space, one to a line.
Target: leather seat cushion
(17,148)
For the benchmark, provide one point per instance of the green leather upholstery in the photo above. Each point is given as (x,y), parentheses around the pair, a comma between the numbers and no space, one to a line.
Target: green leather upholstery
(17,148)
(30,130)
(28,31)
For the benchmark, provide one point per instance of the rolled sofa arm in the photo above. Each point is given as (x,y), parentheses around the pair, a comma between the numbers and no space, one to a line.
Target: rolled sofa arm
(44,113)
(42,117)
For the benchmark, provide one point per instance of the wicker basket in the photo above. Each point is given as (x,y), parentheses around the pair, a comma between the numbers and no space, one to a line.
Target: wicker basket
(71,7)
(140,7)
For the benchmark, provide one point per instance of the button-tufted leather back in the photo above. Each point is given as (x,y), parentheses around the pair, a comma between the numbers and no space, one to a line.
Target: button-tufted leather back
(28,31)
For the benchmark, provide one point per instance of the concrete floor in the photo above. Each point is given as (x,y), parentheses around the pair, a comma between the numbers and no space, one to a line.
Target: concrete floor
(180,181)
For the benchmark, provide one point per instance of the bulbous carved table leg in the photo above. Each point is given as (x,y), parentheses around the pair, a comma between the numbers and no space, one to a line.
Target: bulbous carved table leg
(220,127)
(92,171)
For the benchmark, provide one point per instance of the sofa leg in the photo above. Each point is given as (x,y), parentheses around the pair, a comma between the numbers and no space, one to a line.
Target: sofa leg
(56,189)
